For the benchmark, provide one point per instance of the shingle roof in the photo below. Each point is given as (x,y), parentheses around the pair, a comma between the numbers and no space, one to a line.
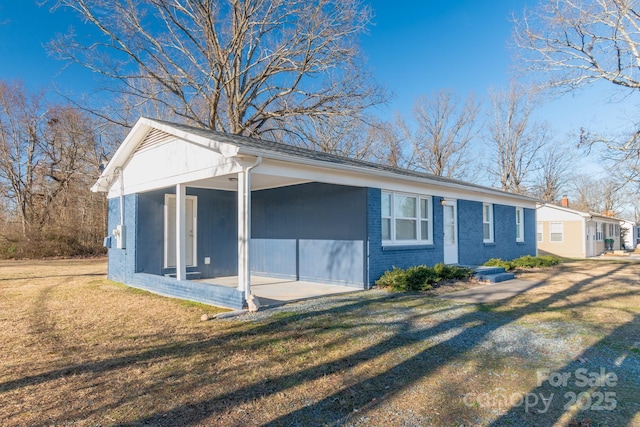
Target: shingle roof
(249,145)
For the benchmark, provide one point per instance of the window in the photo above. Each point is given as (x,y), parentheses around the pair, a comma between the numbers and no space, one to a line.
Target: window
(599,231)
(556,232)
(539,232)
(611,230)
(406,218)
(519,225)
(487,223)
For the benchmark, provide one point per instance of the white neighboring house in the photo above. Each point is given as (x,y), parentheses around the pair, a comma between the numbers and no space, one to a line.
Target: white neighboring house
(567,232)
(631,237)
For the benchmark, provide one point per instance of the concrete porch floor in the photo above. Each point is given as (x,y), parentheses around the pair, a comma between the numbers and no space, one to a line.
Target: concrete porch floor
(275,291)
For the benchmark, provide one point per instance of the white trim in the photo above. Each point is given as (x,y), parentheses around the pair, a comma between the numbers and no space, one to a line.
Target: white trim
(561,232)
(489,221)
(165,209)
(298,167)
(520,224)
(540,232)
(419,219)
(450,249)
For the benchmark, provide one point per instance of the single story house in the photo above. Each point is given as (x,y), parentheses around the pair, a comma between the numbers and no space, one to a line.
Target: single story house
(570,233)
(631,234)
(187,206)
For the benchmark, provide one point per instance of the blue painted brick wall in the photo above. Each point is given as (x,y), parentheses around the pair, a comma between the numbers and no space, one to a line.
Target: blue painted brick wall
(122,262)
(381,258)
(217,232)
(472,250)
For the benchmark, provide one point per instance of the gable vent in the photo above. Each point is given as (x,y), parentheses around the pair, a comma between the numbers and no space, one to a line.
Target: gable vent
(153,138)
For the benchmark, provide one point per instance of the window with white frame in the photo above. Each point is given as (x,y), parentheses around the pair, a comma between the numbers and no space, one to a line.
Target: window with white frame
(539,228)
(487,222)
(519,225)
(556,232)
(599,231)
(611,230)
(406,218)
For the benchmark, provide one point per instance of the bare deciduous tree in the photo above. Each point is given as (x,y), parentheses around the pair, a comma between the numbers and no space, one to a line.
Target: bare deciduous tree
(597,195)
(244,67)
(20,153)
(48,160)
(577,42)
(554,173)
(515,139)
(444,128)
(342,135)
(573,43)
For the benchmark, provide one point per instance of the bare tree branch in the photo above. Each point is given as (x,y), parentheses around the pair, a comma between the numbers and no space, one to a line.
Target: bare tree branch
(576,42)
(444,129)
(516,140)
(243,67)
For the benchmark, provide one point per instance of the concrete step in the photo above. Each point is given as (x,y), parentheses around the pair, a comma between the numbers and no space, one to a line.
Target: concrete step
(484,270)
(492,274)
(496,278)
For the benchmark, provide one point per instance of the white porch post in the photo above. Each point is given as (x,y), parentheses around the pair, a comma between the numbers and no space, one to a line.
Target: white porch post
(244,230)
(181,232)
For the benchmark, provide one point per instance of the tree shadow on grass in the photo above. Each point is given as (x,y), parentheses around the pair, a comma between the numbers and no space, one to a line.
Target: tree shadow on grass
(451,339)
(185,349)
(338,408)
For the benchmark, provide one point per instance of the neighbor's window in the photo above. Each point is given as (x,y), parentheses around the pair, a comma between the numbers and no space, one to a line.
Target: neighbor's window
(487,222)
(539,231)
(599,231)
(406,218)
(519,225)
(611,230)
(556,232)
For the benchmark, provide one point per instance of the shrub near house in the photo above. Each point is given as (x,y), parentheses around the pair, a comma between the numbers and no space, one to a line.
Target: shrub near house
(421,277)
(526,261)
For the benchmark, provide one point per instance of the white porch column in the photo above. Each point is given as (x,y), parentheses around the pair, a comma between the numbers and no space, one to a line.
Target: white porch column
(244,226)
(244,230)
(181,232)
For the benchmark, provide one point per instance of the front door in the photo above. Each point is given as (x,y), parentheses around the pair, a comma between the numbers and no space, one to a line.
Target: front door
(591,241)
(450,231)
(170,231)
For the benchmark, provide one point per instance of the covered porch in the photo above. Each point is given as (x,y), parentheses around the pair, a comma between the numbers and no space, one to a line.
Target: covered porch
(206,221)
(275,291)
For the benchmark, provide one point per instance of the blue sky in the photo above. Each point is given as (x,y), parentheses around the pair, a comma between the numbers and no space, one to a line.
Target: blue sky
(415,47)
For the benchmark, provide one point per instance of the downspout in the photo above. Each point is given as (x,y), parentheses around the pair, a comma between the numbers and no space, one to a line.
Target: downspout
(121,179)
(120,231)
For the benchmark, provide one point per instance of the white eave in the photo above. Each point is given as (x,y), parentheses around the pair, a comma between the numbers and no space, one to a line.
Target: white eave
(585,215)
(229,150)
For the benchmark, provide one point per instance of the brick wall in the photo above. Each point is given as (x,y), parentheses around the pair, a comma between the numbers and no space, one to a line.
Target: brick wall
(471,248)
(382,258)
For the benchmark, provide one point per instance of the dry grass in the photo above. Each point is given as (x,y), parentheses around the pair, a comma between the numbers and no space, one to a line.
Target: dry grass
(81,350)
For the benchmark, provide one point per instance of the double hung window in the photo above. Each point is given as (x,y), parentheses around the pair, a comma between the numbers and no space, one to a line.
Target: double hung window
(406,218)
(519,225)
(487,223)
(556,232)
